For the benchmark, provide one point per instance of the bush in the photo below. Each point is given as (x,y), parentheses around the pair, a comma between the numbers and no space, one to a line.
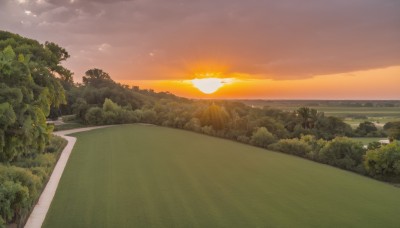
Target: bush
(291,146)
(2,225)
(316,146)
(262,137)
(243,139)
(13,200)
(393,130)
(23,176)
(344,153)
(149,116)
(383,162)
(56,144)
(94,116)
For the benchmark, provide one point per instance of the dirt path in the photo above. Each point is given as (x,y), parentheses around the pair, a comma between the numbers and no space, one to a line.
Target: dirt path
(39,212)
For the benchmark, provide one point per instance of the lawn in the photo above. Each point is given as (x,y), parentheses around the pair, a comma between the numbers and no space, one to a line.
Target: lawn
(147,176)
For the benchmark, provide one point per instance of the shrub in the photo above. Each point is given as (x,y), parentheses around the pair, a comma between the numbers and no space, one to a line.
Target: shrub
(291,146)
(21,175)
(68,118)
(344,153)
(243,139)
(316,146)
(2,225)
(383,162)
(56,144)
(94,116)
(13,200)
(262,137)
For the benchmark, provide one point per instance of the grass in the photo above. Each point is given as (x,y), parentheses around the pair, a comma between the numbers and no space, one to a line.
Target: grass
(147,176)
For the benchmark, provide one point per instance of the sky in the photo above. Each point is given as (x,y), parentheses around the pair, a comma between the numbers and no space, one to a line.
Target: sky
(268,49)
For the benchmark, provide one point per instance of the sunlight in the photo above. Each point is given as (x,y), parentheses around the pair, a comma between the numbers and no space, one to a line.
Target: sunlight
(210,85)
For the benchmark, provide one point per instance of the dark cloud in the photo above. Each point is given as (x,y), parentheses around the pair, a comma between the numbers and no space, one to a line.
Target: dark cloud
(152,39)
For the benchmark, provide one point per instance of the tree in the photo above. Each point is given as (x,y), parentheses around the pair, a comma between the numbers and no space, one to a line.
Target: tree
(393,130)
(291,146)
(96,78)
(365,128)
(214,116)
(94,116)
(343,152)
(331,127)
(262,137)
(304,113)
(384,162)
(273,126)
(28,89)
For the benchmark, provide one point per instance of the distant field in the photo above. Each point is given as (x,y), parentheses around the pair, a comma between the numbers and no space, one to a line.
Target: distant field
(147,176)
(367,140)
(378,115)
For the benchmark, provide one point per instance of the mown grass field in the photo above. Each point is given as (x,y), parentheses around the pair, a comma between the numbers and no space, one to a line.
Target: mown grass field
(147,176)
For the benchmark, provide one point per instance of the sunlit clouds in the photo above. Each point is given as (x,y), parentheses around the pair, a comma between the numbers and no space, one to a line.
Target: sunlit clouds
(280,42)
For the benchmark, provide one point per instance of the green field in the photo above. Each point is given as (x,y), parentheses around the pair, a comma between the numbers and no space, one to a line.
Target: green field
(352,115)
(147,176)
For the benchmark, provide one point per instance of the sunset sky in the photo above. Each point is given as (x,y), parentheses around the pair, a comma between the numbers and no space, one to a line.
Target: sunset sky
(287,49)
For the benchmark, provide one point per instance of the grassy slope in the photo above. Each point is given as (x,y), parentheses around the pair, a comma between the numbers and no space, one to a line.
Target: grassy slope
(144,176)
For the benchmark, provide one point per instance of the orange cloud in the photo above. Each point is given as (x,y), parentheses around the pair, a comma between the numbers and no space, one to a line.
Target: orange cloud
(372,84)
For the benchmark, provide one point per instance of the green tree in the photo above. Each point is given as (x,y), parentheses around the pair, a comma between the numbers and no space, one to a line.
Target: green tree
(13,199)
(344,153)
(393,130)
(214,116)
(304,113)
(96,78)
(262,137)
(384,162)
(94,116)
(365,128)
(27,89)
(291,146)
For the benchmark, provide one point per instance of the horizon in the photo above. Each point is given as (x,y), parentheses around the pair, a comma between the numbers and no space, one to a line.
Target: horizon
(232,49)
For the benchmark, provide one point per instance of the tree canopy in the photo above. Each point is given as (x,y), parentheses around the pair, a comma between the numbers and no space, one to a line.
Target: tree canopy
(29,86)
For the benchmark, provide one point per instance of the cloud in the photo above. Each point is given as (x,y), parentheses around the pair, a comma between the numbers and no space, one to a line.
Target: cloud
(104,47)
(156,39)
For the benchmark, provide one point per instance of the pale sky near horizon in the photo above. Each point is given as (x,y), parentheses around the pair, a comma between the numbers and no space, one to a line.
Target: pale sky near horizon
(289,49)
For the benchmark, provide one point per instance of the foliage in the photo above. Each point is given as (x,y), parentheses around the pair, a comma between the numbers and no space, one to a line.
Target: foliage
(214,116)
(14,198)
(292,146)
(22,181)
(366,129)
(393,130)
(262,137)
(28,88)
(2,223)
(343,153)
(384,162)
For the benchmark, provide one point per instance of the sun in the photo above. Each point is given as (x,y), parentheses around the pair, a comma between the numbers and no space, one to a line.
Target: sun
(210,85)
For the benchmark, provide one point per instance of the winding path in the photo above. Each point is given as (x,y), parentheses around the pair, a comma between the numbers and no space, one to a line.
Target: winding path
(39,212)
